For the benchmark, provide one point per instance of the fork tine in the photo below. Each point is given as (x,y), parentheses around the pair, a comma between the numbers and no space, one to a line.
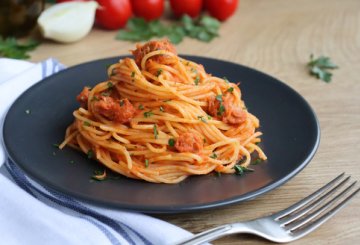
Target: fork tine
(316,213)
(290,218)
(306,200)
(306,230)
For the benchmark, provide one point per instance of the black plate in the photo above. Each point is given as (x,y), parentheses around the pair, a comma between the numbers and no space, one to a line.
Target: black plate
(291,137)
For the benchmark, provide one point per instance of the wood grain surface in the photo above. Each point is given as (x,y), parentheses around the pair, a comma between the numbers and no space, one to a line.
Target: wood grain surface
(277,38)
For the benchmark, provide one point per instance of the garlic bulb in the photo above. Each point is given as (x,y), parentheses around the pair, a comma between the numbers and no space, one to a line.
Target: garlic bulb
(68,22)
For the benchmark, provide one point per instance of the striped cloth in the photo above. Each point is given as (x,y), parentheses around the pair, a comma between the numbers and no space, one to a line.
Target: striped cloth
(33,214)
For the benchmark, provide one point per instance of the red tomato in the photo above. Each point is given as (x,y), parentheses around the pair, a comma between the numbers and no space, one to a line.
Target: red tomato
(221,9)
(189,7)
(113,14)
(148,9)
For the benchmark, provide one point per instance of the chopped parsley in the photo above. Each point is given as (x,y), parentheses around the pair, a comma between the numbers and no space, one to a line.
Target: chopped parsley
(171,142)
(87,123)
(219,98)
(257,161)
(202,119)
(146,163)
(213,156)
(56,145)
(196,81)
(94,99)
(218,174)
(90,154)
(106,94)
(110,85)
(221,110)
(161,109)
(141,107)
(27,111)
(158,73)
(240,170)
(148,114)
(133,74)
(226,80)
(209,117)
(156,133)
(230,90)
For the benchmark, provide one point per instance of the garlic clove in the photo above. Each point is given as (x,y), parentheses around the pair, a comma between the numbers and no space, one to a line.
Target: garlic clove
(68,22)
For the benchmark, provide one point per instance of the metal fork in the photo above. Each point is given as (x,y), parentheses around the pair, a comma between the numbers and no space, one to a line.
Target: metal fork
(292,223)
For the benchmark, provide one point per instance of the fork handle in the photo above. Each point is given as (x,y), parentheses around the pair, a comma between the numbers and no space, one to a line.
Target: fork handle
(214,234)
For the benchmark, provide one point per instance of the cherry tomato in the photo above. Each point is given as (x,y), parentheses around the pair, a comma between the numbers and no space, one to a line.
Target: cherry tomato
(148,9)
(221,9)
(189,7)
(113,14)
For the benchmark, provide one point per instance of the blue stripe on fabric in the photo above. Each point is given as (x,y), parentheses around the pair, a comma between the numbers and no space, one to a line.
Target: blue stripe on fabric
(54,65)
(73,204)
(17,178)
(22,181)
(43,70)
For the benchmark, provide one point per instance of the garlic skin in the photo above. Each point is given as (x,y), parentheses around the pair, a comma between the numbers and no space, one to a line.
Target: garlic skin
(68,22)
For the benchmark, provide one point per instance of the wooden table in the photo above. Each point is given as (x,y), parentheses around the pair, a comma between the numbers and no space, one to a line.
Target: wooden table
(277,38)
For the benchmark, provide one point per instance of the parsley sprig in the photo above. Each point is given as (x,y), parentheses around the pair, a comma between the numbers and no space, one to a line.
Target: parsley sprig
(240,170)
(204,28)
(320,67)
(11,48)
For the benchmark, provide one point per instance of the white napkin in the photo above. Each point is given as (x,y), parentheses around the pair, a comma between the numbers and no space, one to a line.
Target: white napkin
(33,214)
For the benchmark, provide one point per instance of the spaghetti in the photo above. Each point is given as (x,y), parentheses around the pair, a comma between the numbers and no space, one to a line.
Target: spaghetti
(162,118)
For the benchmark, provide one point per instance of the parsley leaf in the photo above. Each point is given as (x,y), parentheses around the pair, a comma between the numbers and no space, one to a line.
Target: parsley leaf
(257,161)
(159,71)
(230,90)
(90,154)
(110,85)
(204,28)
(196,81)
(141,107)
(214,156)
(171,142)
(202,119)
(240,170)
(320,67)
(219,97)
(148,114)
(221,110)
(11,48)
(156,133)
(146,163)
(87,123)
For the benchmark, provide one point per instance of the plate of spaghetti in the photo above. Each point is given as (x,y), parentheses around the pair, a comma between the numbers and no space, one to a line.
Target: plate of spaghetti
(161,132)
